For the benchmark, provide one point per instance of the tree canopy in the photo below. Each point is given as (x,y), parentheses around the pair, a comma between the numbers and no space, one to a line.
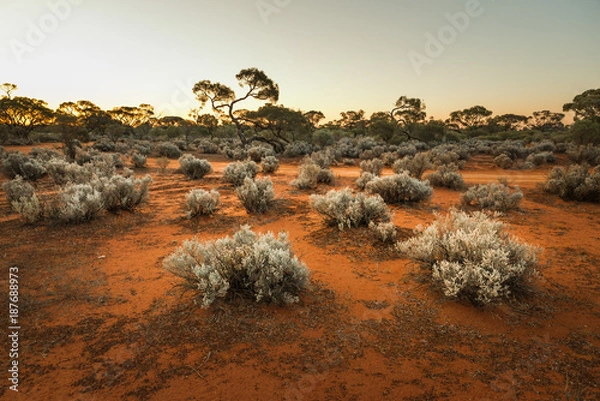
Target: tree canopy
(223,99)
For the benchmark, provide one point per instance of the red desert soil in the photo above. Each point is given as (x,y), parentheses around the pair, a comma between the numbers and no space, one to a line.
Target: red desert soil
(102,320)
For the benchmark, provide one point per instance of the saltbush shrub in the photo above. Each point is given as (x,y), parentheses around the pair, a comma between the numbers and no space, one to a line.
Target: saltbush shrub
(269,164)
(384,232)
(236,172)
(77,203)
(194,168)
(323,158)
(308,176)
(364,179)
(345,210)
(575,183)
(256,195)
(584,154)
(123,193)
(30,208)
(470,256)
(492,196)
(541,158)
(400,188)
(504,161)
(446,176)
(415,165)
(138,160)
(18,164)
(373,166)
(168,150)
(199,202)
(258,266)
(17,189)
(257,152)
(44,154)
(298,148)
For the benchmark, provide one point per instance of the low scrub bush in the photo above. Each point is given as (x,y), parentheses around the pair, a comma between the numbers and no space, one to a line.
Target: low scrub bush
(400,188)
(346,210)
(384,232)
(194,168)
(541,158)
(199,202)
(308,175)
(236,172)
(298,148)
(17,189)
(311,174)
(258,266)
(575,183)
(373,166)
(323,158)
(256,195)
(138,160)
(269,164)
(76,203)
(415,165)
(30,208)
(504,161)
(492,196)
(446,176)
(364,179)
(257,152)
(584,154)
(472,257)
(168,150)
(124,193)
(18,164)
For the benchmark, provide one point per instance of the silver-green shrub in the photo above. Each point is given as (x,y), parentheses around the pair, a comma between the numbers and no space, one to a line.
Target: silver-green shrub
(400,188)
(541,158)
(470,256)
(575,183)
(415,165)
(269,164)
(446,176)
(256,195)
(504,161)
(138,160)
(30,208)
(258,152)
(364,179)
(260,266)
(168,149)
(123,193)
(194,168)
(77,203)
(308,175)
(199,202)
(492,196)
(345,210)
(236,172)
(384,232)
(373,166)
(17,163)
(17,189)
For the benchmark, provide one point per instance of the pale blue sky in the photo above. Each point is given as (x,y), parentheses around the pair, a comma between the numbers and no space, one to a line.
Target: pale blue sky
(511,56)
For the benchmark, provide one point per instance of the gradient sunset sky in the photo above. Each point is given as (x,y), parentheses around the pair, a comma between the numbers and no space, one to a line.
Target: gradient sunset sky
(511,56)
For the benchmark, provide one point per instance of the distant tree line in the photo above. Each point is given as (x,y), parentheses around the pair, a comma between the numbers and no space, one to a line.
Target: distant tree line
(24,119)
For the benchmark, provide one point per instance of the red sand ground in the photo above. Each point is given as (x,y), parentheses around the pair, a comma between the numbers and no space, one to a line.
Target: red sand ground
(102,320)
